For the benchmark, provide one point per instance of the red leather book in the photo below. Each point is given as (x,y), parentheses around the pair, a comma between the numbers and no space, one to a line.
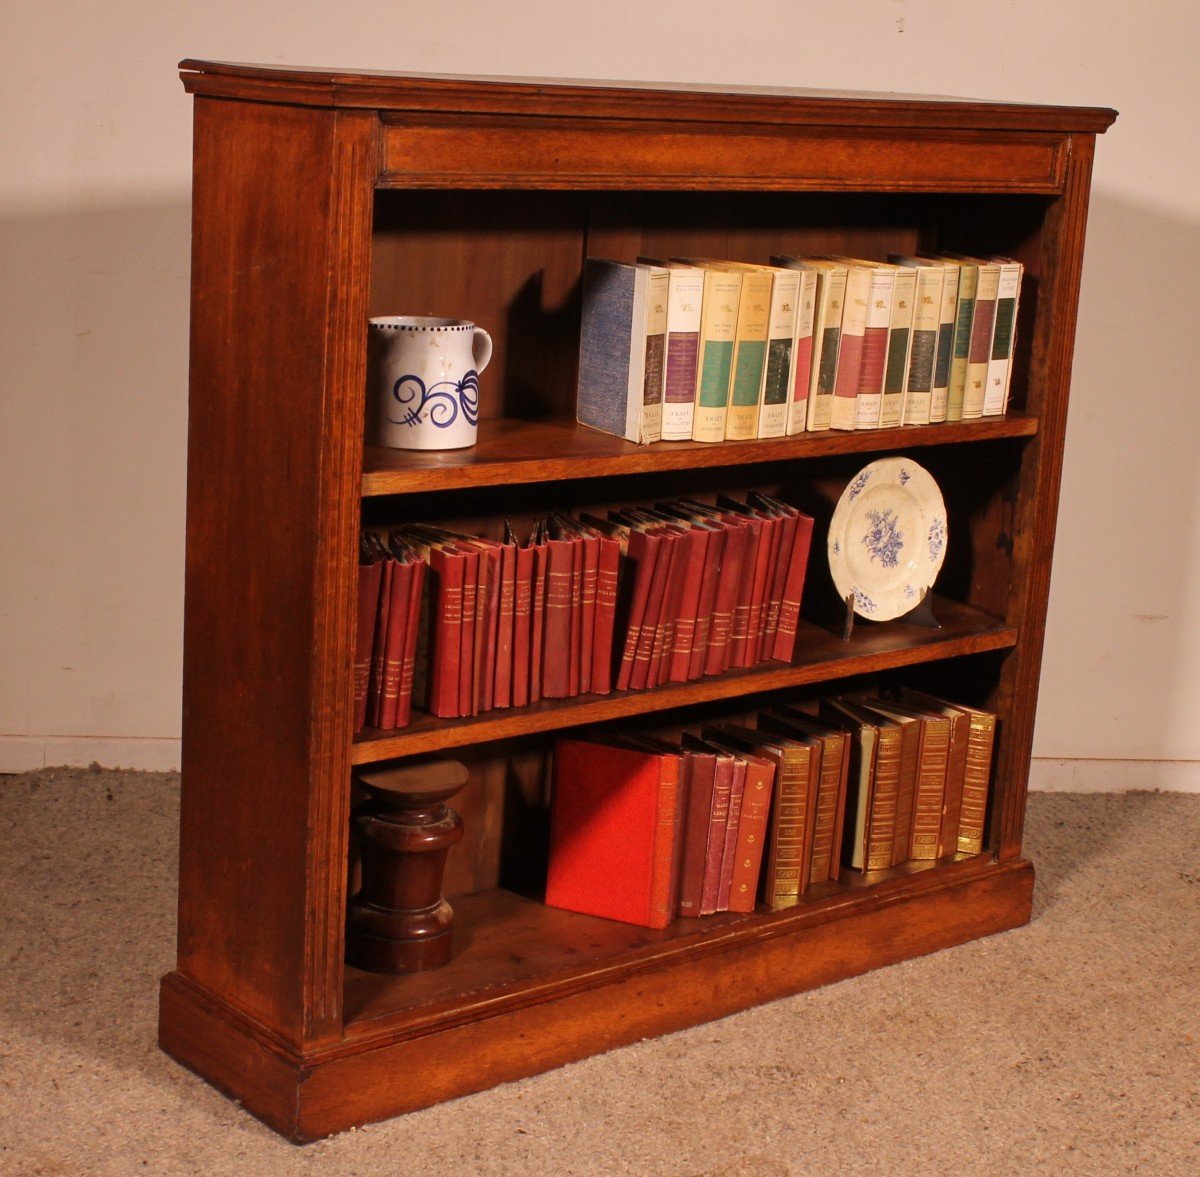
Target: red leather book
(699,777)
(714,561)
(768,550)
(575,609)
(502,681)
(687,619)
(556,638)
(731,832)
(785,526)
(379,643)
(650,633)
(472,604)
(612,832)
(589,543)
(753,822)
(487,624)
(610,538)
(737,539)
(522,625)
(370,569)
(784,641)
(447,570)
(641,556)
(411,631)
(718,822)
(538,615)
(748,576)
(664,635)
(393,650)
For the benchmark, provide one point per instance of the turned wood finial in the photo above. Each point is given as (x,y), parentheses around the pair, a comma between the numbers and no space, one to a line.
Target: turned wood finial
(399,922)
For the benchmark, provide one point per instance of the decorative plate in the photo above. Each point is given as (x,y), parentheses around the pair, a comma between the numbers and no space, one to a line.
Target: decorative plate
(887,539)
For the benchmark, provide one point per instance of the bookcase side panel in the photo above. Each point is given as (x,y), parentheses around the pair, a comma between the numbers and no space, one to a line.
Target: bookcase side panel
(281,238)
(1036,509)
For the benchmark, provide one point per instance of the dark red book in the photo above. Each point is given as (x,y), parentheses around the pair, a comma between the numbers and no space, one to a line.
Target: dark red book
(613,832)
(714,561)
(664,634)
(502,682)
(685,633)
(737,539)
(650,636)
(784,643)
(393,650)
(557,635)
(522,625)
(589,543)
(718,821)
(411,631)
(370,569)
(538,614)
(472,604)
(748,574)
(785,525)
(610,538)
(699,778)
(641,555)
(488,622)
(447,570)
(731,831)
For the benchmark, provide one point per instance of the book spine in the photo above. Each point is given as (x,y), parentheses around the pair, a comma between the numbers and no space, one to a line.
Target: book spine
(976,781)
(729,578)
(612,341)
(505,628)
(714,561)
(589,553)
(393,657)
(939,394)
(379,643)
(522,626)
(739,629)
(718,824)
(922,356)
(827,339)
(825,826)
(408,663)
(607,573)
(1000,364)
(664,865)
(785,852)
(784,645)
(982,332)
(654,353)
(779,369)
(488,628)
(736,794)
(952,797)
(685,302)
(467,646)
(538,623)
(844,411)
(686,624)
(753,823)
(904,292)
(669,615)
(906,790)
(722,296)
(699,773)
(968,281)
(641,556)
(869,403)
(559,637)
(780,566)
(768,551)
(749,356)
(447,572)
(800,380)
(649,641)
(881,816)
(931,789)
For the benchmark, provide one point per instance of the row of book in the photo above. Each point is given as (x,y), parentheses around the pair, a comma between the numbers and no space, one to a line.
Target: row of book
(708,350)
(646,830)
(644,596)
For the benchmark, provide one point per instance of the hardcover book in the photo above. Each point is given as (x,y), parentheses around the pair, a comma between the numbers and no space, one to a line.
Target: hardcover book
(904,293)
(718,333)
(1008,292)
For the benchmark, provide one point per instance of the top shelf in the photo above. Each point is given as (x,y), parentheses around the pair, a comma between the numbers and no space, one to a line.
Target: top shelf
(546,451)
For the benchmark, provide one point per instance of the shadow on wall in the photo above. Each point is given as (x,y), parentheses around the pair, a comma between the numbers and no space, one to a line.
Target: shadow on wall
(93,335)
(1119,679)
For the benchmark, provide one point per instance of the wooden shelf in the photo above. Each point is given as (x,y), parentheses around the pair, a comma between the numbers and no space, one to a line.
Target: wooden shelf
(820,657)
(545,451)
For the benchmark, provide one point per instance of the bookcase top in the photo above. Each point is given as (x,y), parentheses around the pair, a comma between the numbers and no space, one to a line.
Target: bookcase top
(465,94)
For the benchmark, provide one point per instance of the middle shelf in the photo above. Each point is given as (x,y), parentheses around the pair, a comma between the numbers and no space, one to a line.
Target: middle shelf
(820,656)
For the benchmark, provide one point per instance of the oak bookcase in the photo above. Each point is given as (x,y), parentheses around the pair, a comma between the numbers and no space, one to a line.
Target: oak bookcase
(322,197)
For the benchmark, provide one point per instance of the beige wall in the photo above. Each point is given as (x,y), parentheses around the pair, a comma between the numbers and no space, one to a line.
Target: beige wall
(95,144)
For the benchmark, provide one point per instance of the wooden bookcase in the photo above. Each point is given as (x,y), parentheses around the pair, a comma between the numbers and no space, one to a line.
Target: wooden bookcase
(323,197)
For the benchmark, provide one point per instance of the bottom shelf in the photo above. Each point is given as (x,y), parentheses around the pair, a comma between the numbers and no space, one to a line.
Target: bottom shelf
(531,988)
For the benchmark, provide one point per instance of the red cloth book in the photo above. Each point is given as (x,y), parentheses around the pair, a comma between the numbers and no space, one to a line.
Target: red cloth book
(686,631)
(557,635)
(641,555)
(522,625)
(612,832)
(729,579)
(731,830)
(447,569)
(699,779)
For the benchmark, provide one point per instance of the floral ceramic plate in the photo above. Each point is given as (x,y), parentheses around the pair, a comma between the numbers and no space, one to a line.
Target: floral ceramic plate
(887,539)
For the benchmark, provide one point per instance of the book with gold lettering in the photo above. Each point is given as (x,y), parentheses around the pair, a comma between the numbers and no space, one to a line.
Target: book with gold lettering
(979,354)
(779,366)
(968,282)
(904,293)
(718,335)
(977,780)
(827,332)
(851,348)
(956,764)
(880,837)
(922,357)
(800,378)
(685,304)
(1008,293)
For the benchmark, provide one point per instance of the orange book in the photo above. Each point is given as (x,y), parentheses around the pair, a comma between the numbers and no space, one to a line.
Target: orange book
(614,814)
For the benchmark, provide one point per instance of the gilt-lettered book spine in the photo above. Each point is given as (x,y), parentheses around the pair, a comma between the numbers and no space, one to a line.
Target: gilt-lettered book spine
(685,302)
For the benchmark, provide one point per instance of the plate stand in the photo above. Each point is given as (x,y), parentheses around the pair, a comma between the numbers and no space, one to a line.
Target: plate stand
(920,614)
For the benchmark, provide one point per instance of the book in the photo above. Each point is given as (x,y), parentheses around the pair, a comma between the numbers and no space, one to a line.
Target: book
(907,772)
(779,369)
(800,379)
(844,410)
(940,393)
(862,739)
(869,403)
(622,344)
(559,638)
(750,838)
(537,631)
(827,330)
(614,813)
(904,292)
(642,547)
(718,332)
(370,570)
(522,624)
(968,282)
(983,325)
(877,850)
(724,771)
(685,302)
(956,765)
(698,774)
(733,820)
(922,355)
(403,568)
(999,378)
(749,355)
(506,620)
(379,638)
(977,779)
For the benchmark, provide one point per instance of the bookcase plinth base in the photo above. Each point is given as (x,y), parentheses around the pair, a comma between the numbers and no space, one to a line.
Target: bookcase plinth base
(395,1064)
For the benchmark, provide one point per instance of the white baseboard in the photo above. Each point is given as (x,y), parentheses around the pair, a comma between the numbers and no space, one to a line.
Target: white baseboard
(1114,776)
(28,753)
